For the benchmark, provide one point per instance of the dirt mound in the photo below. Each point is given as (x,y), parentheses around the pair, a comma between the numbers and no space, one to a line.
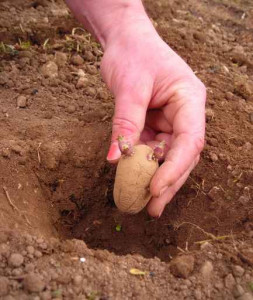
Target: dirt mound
(55,121)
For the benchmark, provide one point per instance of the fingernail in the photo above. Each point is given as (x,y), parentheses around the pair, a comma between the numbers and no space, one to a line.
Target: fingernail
(162,191)
(114,152)
(159,215)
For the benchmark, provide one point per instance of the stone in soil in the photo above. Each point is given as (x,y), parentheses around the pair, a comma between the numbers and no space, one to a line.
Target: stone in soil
(209,114)
(21,101)
(77,280)
(213,156)
(77,60)
(92,70)
(238,271)
(215,193)
(238,291)
(50,69)
(61,59)
(182,266)
(33,283)
(82,82)
(229,281)
(206,270)
(15,260)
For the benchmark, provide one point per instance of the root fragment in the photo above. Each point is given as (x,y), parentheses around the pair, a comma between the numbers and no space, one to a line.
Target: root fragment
(14,207)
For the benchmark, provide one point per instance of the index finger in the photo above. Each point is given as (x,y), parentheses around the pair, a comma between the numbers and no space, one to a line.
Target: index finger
(188,139)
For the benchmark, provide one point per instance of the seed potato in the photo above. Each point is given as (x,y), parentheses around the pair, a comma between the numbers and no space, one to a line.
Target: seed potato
(134,173)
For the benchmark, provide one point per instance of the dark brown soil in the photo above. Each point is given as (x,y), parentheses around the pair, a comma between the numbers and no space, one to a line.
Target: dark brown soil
(56,185)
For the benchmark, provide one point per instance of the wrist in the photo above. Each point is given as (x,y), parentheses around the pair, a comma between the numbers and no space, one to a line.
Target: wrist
(108,19)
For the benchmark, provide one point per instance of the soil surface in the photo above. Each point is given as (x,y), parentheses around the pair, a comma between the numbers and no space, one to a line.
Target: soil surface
(61,235)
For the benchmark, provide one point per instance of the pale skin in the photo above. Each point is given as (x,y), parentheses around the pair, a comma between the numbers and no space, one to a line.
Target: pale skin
(157,95)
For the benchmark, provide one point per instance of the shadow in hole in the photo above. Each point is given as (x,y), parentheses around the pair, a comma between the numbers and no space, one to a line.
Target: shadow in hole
(102,226)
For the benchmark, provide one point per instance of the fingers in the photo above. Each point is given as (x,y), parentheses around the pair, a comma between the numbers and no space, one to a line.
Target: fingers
(129,118)
(157,121)
(184,151)
(147,134)
(188,138)
(157,204)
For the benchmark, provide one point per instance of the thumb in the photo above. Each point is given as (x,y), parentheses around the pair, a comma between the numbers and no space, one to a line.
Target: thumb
(128,121)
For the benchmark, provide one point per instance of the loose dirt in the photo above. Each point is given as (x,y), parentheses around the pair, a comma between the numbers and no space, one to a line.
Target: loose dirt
(61,235)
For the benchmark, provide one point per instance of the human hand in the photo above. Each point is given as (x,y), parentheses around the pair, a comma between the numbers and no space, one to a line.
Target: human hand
(157,97)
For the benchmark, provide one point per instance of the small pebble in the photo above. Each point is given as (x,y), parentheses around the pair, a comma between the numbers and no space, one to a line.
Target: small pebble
(213,156)
(209,114)
(229,95)
(238,291)
(92,70)
(206,270)
(243,199)
(89,56)
(182,266)
(40,241)
(30,249)
(6,153)
(37,254)
(80,73)
(29,267)
(21,101)
(215,193)
(229,281)
(77,280)
(77,60)
(17,272)
(61,58)
(82,82)
(33,283)
(103,94)
(50,69)
(43,246)
(197,294)
(15,260)
(91,91)
(238,271)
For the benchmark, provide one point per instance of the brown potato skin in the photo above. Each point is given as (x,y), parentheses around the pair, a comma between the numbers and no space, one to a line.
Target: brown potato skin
(133,176)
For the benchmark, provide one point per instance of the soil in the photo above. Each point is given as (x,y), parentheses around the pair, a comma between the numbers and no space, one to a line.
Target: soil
(61,235)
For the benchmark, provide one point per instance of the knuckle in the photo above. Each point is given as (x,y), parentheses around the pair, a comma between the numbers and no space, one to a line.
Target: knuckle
(199,143)
(124,126)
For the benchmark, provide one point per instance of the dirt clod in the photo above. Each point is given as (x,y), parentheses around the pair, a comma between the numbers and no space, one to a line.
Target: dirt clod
(77,60)
(238,271)
(15,260)
(206,270)
(33,283)
(82,82)
(229,281)
(182,266)
(61,59)
(77,280)
(50,70)
(21,101)
(238,291)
